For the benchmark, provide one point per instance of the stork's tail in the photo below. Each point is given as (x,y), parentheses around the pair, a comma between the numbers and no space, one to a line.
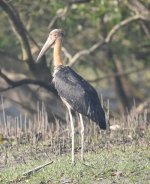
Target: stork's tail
(102,124)
(101,120)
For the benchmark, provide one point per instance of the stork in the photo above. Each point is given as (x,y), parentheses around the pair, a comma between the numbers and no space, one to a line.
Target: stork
(75,92)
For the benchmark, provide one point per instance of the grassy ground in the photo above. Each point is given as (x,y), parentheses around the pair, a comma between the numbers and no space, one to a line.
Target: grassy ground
(118,164)
(120,155)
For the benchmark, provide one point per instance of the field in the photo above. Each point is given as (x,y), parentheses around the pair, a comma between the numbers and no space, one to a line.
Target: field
(119,155)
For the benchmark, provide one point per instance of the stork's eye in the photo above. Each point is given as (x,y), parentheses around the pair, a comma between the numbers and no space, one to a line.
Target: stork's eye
(62,34)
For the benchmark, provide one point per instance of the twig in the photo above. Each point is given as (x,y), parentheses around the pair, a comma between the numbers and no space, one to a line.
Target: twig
(108,38)
(120,25)
(59,15)
(138,7)
(8,55)
(145,29)
(14,84)
(32,39)
(118,74)
(28,173)
(85,52)
(67,54)
(78,1)
(18,28)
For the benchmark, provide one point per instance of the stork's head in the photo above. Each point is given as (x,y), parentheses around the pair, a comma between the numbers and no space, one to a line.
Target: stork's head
(53,36)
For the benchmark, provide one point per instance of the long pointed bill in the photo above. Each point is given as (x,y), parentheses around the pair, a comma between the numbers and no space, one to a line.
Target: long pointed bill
(49,42)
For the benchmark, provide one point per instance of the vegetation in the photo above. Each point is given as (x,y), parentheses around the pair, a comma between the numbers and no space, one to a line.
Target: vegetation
(107,42)
(105,166)
(119,155)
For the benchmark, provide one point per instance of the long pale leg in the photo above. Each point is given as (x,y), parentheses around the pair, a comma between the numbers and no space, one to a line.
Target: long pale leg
(82,136)
(72,134)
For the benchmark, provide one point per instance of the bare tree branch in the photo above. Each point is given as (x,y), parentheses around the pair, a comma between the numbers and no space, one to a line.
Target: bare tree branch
(145,29)
(121,24)
(139,8)
(28,173)
(108,38)
(118,74)
(8,55)
(58,15)
(66,53)
(85,52)
(78,1)
(19,29)
(14,84)
(32,39)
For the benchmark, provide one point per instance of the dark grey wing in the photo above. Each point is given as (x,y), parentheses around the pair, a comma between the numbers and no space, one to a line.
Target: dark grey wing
(80,95)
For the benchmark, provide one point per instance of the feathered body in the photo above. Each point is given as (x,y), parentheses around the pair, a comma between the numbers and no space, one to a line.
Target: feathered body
(79,94)
(75,92)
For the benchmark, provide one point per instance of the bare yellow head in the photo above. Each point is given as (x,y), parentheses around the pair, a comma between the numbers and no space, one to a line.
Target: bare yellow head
(54,36)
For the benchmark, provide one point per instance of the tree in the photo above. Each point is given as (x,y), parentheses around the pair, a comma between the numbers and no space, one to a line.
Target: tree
(96,30)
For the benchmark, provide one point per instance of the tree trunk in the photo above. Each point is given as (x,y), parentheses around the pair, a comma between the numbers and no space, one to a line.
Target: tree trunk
(119,82)
(120,85)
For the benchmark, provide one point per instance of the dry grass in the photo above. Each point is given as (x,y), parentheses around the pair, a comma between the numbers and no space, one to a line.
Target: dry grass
(26,144)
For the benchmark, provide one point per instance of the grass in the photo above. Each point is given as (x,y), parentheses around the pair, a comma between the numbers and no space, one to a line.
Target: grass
(113,165)
(120,155)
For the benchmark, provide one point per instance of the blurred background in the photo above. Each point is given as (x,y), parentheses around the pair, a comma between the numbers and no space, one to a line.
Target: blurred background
(106,42)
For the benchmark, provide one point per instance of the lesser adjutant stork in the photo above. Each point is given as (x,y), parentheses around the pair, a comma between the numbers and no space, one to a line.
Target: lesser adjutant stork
(75,92)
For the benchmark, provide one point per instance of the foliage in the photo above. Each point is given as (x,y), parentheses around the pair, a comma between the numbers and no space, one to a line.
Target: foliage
(85,24)
(98,16)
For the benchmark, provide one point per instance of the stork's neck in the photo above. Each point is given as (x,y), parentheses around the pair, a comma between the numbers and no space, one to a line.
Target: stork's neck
(57,53)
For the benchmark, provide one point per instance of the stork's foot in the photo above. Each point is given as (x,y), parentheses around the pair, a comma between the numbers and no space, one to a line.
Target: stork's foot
(73,163)
(82,159)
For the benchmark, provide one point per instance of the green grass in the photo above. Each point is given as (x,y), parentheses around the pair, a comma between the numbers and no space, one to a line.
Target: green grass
(116,156)
(116,164)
